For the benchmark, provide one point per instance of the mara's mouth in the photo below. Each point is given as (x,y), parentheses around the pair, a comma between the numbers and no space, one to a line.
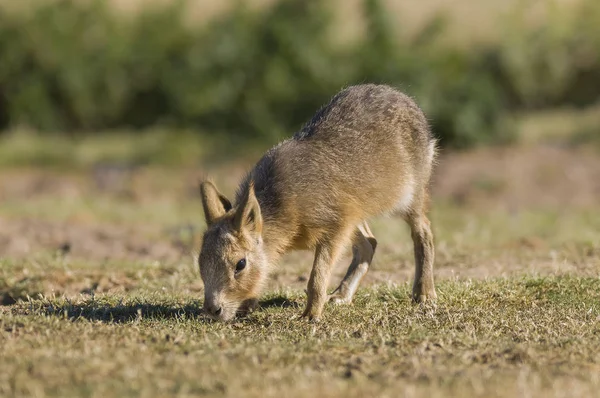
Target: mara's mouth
(225,316)
(231,312)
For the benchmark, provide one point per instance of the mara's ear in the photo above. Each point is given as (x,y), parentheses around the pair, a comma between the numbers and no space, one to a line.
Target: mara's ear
(248,216)
(214,203)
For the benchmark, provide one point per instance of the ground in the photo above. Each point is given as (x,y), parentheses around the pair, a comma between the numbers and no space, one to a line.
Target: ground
(101,295)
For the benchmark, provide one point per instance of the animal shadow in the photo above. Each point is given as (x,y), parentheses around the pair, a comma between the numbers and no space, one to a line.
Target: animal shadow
(279,302)
(122,313)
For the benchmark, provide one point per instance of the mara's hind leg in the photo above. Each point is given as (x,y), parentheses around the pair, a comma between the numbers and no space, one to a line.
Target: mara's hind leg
(423,287)
(363,249)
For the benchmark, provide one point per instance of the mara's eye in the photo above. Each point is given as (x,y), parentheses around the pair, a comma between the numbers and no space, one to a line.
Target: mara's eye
(240,265)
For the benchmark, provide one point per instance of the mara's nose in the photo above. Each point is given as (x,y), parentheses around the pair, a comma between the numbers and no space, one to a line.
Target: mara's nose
(213,309)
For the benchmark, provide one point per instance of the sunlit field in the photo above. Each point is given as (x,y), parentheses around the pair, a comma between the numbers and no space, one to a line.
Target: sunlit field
(101,294)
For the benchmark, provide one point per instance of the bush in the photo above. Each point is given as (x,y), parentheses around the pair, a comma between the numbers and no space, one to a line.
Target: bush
(555,63)
(78,67)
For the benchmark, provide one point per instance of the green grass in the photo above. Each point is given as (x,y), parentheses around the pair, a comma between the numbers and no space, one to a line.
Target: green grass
(119,313)
(511,320)
(158,147)
(570,126)
(498,337)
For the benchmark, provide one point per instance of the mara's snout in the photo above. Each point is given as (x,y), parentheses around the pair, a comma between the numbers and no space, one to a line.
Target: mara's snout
(214,309)
(368,152)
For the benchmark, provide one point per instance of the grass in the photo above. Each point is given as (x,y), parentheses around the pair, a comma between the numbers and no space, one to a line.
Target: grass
(498,337)
(511,320)
(564,126)
(159,147)
(100,296)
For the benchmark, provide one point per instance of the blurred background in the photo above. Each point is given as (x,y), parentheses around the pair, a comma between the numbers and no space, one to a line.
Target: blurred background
(255,70)
(110,112)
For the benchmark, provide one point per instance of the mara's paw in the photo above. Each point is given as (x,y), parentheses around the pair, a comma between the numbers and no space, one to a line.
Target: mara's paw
(337,299)
(424,296)
(311,315)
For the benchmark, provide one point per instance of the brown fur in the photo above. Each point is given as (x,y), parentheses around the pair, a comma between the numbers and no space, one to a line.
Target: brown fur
(368,152)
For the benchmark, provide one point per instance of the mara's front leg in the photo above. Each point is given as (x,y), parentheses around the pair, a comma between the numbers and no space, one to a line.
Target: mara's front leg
(326,255)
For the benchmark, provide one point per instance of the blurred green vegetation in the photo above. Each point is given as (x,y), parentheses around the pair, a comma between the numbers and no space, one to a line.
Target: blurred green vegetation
(79,67)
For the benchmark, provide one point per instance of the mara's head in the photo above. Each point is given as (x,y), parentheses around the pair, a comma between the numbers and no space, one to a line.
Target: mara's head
(232,261)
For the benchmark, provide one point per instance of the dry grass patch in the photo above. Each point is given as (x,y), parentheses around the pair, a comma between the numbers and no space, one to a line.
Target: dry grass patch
(498,337)
(90,306)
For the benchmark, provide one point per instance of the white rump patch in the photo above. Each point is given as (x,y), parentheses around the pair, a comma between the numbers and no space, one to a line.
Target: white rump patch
(432,151)
(406,198)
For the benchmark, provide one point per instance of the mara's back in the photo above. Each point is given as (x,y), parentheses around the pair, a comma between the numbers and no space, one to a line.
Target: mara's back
(368,151)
